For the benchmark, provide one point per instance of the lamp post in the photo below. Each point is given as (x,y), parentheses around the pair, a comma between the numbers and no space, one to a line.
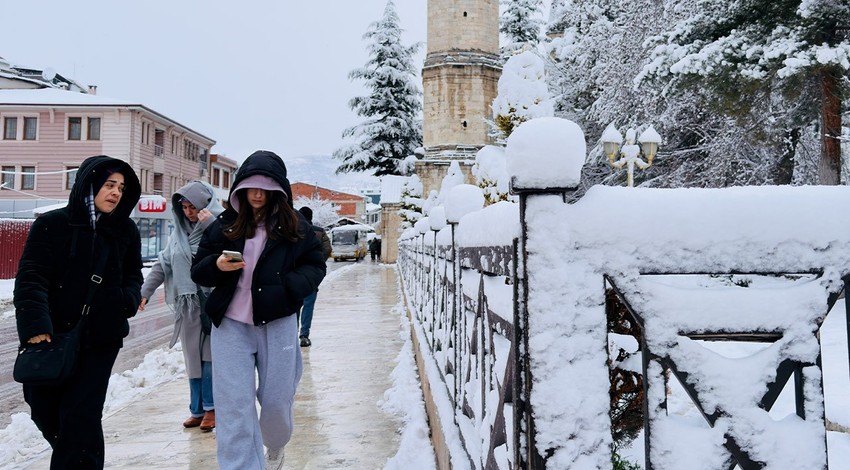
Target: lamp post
(630,154)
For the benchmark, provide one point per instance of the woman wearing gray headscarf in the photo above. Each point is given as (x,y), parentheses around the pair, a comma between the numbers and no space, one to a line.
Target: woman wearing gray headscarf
(195,208)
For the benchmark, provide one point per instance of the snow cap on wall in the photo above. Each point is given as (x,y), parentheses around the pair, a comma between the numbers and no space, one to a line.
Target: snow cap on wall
(437,218)
(461,200)
(546,152)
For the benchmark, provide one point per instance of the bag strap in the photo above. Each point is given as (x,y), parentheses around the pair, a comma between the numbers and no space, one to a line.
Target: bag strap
(96,279)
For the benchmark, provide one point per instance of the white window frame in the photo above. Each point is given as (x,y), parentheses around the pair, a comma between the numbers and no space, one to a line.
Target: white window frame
(23,127)
(68,118)
(3,118)
(3,176)
(66,181)
(99,128)
(23,176)
(20,123)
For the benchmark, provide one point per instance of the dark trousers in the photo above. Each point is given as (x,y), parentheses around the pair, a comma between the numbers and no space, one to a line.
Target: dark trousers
(69,416)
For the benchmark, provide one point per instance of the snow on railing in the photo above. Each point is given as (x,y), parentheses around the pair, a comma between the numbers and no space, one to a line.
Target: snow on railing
(461,300)
(519,332)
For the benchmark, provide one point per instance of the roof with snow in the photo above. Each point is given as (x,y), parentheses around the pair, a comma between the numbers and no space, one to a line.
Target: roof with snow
(58,98)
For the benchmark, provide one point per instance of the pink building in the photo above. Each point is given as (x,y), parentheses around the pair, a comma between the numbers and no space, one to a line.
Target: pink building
(46,133)
(222,172)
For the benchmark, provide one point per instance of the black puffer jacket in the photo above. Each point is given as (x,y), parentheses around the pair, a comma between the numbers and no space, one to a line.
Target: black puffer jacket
(55,270)
(286,272)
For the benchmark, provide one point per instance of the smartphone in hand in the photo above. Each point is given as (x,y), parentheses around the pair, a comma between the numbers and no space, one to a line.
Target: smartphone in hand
(234,256)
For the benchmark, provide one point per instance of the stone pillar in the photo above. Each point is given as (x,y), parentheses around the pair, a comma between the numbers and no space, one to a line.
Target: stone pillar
(389,232)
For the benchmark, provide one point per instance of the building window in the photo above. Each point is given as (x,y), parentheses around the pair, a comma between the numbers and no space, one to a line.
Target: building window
(8,180)
(215,176)
(75,128)
(10,128)
(27,177)
(30,128)
(70,176)
(157,183)
(225,180)
(94,129)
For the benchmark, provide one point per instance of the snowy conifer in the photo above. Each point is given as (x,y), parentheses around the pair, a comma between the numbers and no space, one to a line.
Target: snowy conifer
(778,65)
(392,130)
(521,24)
(411,202)
(523,93)
(324,212)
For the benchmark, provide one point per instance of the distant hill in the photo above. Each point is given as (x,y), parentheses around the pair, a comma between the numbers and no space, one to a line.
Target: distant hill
(320,170)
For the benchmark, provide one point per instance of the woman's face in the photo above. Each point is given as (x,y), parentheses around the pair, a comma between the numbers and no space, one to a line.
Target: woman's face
(110,193)
(256,198)
(190,211)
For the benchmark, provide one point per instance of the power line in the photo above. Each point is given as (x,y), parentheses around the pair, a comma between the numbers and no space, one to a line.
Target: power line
(36,173)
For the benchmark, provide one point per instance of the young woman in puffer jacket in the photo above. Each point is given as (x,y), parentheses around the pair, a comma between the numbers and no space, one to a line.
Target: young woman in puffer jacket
(253,307)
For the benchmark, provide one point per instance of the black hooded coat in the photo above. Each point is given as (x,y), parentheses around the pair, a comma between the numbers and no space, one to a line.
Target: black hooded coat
(55,270)
(286,272)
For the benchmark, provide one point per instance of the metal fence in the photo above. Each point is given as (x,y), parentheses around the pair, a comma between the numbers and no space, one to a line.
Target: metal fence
(461,297)
(13,236)
(477,307)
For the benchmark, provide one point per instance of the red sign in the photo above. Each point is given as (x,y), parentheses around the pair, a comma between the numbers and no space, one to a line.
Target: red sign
(151,205)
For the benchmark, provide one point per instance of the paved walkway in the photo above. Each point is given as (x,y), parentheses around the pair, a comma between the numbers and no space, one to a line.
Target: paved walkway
(339,423)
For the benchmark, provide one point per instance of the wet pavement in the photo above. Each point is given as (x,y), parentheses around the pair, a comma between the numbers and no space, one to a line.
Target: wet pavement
(339,423)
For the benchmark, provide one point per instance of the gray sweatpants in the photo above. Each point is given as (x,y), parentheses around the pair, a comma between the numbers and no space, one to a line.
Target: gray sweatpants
(238,350)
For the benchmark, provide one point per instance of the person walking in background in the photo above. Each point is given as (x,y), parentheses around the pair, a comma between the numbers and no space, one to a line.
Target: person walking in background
(375,248)
(55,275)
(257,294)
(310,300)
(194,208)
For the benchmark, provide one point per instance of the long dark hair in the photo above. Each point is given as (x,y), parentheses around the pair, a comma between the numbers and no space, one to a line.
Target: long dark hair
(279,217)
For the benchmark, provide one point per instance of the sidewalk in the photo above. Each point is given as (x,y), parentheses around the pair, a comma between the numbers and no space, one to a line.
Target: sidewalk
(339,423)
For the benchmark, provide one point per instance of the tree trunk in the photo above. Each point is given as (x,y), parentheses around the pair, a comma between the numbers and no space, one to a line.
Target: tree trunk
(829,166)
(783,173)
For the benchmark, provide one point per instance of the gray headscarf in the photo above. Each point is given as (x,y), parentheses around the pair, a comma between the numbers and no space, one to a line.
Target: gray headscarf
(181,293)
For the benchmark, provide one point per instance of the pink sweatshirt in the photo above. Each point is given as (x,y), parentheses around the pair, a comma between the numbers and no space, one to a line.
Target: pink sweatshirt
(241,307)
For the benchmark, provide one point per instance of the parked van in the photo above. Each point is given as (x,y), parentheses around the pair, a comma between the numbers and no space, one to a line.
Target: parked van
(349,241)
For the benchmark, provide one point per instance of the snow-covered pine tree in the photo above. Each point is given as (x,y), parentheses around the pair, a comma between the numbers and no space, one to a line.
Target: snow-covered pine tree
(775,67)
(411,202)
(392,130)
(622,61)
(523,94)
(521,24)
(324,212)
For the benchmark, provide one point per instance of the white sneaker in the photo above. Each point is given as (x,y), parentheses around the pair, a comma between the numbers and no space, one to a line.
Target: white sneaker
(274,459)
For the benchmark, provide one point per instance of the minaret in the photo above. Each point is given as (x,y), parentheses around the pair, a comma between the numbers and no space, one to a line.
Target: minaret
(459,80)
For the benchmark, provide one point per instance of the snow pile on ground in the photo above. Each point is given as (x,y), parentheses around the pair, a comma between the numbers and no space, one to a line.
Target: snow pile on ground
(405,400)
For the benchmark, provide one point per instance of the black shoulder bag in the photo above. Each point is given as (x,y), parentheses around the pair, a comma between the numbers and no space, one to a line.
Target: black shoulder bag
(51,363)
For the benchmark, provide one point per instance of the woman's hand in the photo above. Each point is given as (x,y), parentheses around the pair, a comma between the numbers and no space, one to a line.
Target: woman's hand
(204,214)
(142,304)
(38,339)
(224,264)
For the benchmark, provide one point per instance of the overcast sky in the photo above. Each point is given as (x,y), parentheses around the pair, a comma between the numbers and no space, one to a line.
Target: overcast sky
(250,74)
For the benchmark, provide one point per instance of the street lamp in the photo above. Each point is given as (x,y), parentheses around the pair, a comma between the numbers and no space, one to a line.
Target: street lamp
(630,154)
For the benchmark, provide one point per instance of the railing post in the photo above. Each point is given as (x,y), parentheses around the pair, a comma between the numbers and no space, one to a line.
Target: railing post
(453,326)
(544,157)
(434,295)
(847,312)
(524,430)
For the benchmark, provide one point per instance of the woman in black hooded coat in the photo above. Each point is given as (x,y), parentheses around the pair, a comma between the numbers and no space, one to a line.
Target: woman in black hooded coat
(54,276)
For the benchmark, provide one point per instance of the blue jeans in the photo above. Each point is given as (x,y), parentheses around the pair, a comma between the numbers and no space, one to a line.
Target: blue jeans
(307,313)
(201,391)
